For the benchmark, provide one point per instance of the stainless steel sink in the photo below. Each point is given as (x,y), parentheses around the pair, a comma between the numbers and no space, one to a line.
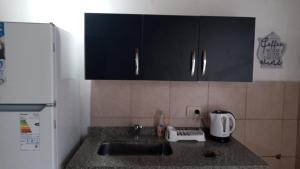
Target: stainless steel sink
(134,148)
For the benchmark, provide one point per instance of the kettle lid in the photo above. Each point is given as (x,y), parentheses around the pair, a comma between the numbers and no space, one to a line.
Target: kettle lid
(221,112)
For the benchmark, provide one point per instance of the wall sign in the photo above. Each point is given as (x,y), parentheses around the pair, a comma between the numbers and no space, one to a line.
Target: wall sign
(270,51)
(29,131)
(2,53)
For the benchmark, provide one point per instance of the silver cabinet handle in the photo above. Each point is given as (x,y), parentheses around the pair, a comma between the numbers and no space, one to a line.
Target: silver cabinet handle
(204,60)
(193,63)
(136,58)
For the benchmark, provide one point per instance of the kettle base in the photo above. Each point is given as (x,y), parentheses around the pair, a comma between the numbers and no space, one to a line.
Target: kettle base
(220,139)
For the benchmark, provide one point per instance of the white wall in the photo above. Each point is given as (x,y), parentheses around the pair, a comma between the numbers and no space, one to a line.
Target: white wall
(281,16)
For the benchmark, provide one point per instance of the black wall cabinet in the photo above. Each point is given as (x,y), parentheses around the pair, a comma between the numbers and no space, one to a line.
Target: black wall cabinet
(160,47)
(169,47)
(111,41)
(226,44)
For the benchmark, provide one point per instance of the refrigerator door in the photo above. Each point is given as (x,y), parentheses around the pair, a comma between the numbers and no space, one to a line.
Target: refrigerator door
(14,153)
(29,69)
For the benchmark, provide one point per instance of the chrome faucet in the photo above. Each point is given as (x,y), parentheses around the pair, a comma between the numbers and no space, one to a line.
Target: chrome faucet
(137,130)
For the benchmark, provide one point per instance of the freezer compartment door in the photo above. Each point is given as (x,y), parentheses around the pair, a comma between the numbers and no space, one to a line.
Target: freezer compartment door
(14,153)
(29,67)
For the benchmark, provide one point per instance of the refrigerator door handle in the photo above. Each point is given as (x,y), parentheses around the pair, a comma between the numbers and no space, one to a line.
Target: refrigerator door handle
(22,107)
(51,104)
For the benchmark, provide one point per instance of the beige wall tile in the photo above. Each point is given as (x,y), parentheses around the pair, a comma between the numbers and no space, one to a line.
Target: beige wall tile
(272,162)
(297,163)
(291,100)
(239,132)
(299,103)
(110,99)
(228,96)
(264,136)
(283,163)
(264,100)
(289,137)
(110,122)
(298,140)
(149,98)
(118,122)
(149,122)
(287,163)
(185,122)
(183,94)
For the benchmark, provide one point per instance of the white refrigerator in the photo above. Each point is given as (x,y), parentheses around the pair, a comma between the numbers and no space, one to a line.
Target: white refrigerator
(31,98)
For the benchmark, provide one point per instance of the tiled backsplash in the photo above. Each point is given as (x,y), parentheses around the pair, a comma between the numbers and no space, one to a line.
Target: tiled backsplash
(298,136)
(266,112)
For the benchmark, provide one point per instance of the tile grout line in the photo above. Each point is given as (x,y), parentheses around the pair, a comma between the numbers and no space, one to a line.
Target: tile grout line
(283,100)
(245,108)
(208,94)
(207,103)
(91,104)
(169,117)
(298,125)
(282,111)
(246,101)
(298,104)
(130,100)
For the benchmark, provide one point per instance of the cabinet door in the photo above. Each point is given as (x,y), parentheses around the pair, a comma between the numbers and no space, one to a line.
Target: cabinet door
(111,41)
(169,47)
(227,43)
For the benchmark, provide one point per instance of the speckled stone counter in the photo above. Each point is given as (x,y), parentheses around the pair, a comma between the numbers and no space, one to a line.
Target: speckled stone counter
(186,155)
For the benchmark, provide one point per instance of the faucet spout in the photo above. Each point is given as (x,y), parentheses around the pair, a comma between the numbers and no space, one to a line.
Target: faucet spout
(137,130)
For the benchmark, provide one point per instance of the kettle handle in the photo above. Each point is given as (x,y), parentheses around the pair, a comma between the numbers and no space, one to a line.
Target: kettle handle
(231,118)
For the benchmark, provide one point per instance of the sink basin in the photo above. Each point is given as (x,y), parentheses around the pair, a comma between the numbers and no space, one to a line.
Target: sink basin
(134,148)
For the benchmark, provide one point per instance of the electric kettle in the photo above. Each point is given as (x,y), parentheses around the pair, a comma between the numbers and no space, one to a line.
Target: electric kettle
(222,124)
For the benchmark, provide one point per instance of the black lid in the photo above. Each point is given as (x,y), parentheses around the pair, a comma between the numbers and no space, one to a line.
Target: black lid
(221,112)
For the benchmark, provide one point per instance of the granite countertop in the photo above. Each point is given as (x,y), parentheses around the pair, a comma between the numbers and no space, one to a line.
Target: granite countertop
(186,155)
